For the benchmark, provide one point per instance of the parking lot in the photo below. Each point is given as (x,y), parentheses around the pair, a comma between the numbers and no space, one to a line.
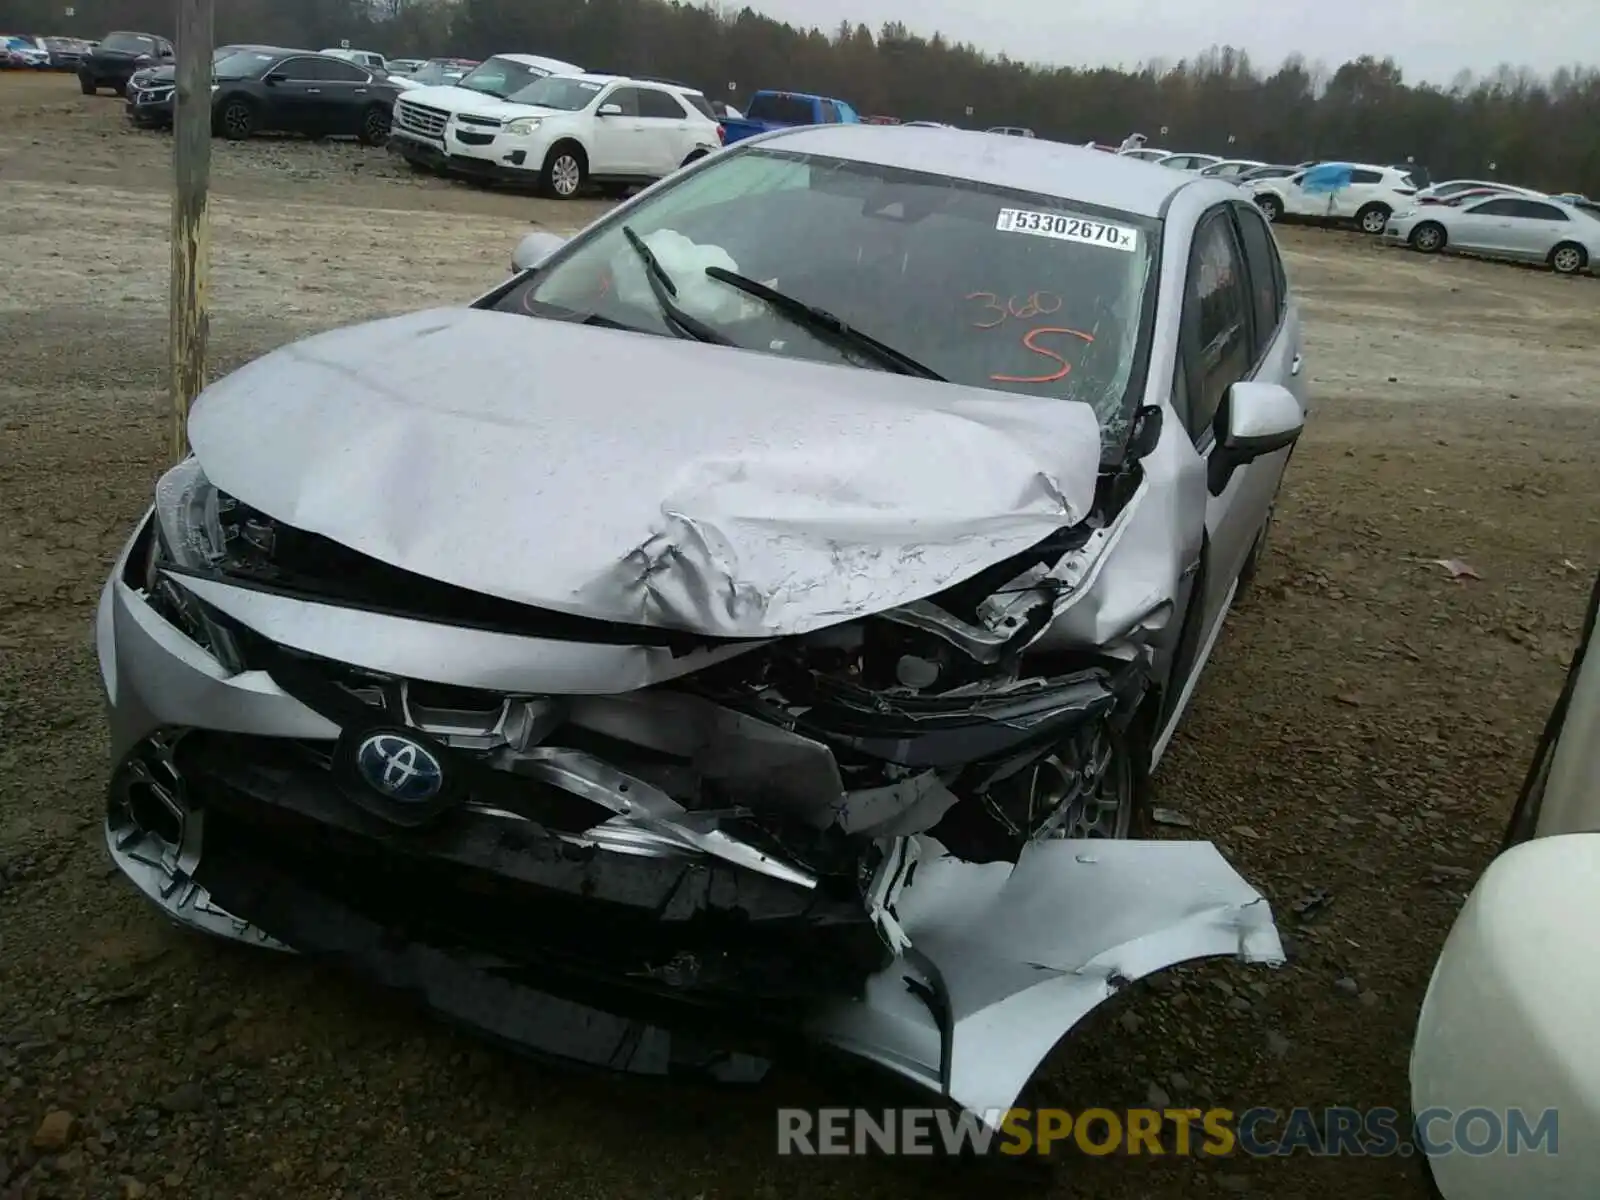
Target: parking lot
(1354,746)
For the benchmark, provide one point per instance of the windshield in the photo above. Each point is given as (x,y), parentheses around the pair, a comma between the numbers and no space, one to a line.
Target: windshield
(243,64)
(132,43)
(500,77)
(439,72)
(987,287)
(558,91)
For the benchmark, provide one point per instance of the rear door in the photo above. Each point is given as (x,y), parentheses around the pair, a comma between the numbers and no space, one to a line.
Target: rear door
(1536,227)
(1347,201)
(665,122)
(346,91)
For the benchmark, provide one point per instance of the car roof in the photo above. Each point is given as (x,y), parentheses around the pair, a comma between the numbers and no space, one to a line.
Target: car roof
(1024,164)
(644,80)
(553,65)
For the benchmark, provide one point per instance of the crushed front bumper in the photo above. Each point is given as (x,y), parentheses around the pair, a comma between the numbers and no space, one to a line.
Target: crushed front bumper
(956,975)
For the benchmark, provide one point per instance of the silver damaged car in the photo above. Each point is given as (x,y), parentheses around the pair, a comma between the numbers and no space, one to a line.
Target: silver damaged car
(755,620)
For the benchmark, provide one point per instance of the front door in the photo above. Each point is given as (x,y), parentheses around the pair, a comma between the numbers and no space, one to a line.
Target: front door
(620,139)
(1221,345)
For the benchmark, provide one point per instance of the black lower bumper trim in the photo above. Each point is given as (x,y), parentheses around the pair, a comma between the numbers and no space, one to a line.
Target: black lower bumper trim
(461,986)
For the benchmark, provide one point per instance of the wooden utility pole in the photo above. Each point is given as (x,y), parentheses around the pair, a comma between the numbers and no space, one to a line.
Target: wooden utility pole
(189,318)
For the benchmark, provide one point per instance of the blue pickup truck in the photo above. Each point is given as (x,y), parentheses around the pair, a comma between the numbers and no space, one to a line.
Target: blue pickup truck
(778,110)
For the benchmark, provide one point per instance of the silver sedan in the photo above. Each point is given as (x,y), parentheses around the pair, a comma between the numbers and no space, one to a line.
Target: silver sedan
(1518,228)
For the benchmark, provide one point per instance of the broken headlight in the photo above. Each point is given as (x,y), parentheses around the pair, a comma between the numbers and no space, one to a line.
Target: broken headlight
(189,536)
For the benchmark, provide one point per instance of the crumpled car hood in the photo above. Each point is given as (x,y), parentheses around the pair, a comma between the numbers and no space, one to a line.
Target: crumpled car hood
(642,479)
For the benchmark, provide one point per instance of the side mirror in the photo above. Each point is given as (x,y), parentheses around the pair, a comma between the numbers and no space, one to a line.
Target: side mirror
(274,77)
(609,110)
(1254,419)
(534,249)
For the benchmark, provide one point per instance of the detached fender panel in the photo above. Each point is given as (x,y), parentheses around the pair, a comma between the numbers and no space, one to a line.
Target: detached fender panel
(1017,956)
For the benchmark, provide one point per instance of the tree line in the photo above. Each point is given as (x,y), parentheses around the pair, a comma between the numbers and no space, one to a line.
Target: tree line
(1540,132)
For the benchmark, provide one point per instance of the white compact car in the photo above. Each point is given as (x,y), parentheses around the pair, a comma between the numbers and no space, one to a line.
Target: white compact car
(1360,192)
(562,131)
(1505,1039)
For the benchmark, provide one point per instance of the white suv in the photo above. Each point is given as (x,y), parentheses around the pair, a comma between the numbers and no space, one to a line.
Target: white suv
(1359,192)
(417,129)
(564,131)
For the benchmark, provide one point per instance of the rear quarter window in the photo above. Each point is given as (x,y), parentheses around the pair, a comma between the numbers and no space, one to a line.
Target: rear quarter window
(700,104)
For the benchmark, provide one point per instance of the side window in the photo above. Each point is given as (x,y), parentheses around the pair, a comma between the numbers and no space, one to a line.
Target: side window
(830,113)
(701,105)
(298,69)
(1534,211)
(343,72)
(1495,208)
(627,98)
(1217,321)
(655,103)
(1266,274)
(1361,176)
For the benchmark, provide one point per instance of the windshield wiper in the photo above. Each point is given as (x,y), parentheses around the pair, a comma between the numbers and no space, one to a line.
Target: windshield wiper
(828,326)
(662,287)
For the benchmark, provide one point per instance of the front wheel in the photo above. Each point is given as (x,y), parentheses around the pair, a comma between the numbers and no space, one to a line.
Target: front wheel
(1373,218)
(87,85)
(374,127)
(1271,207)
(1568,259)
(1428,238)
(237,120)
(563,173)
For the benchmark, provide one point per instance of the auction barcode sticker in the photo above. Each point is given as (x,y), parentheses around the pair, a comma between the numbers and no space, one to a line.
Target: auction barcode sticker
(1067,229)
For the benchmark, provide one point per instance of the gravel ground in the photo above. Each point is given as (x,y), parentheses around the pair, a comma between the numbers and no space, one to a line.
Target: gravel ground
(1359,734)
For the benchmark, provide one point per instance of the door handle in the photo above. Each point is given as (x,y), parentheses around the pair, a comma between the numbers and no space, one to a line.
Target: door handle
(1299,361)
(361,91)
(313,91)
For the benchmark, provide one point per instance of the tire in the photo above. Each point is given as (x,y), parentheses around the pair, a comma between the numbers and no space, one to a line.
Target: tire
(237,120)
(565,171)
(87,85)
(1372,219)
(1428,238)
(1271,207)
(374,126)
(1568,258)
(694,157)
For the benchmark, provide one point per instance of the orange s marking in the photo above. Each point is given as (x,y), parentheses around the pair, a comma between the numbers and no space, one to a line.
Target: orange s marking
(1029,340)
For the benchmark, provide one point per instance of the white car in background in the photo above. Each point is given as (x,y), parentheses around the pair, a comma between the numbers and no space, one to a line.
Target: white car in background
(370,59)
(1195,164)
(1510,226)
(1454,187)
(1337,191)
(1146,154)
(1507,1026)
(1230,168)
(565,131)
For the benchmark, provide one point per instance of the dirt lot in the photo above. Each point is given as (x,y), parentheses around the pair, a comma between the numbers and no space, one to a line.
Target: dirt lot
(1362,728)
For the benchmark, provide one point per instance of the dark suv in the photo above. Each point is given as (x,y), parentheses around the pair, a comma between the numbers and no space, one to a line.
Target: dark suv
(118,56)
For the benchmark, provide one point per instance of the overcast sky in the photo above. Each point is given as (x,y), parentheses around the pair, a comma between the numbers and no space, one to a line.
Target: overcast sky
(1430,39)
